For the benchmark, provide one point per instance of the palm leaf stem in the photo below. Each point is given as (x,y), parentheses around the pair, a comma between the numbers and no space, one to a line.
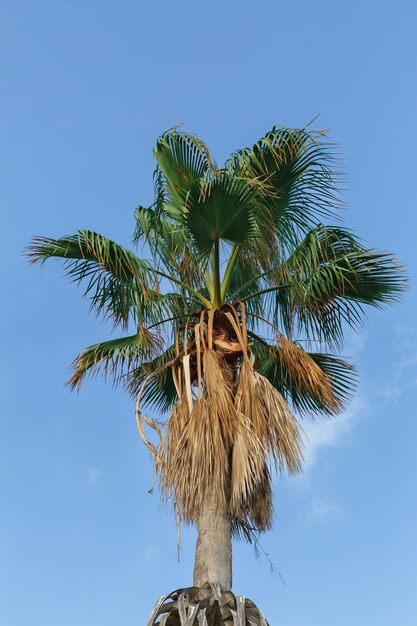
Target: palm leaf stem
(248,284)
(217,301)
(205,271)
(195,293)
(209,282)
(172,319)
(262,291)
(262,319)
(229,271)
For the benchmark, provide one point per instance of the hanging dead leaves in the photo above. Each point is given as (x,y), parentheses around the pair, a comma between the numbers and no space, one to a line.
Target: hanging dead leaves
(227,426)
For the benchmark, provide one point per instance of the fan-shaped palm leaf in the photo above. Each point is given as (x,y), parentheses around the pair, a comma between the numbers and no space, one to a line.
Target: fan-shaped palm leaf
(302,173)
(183,159)
(220,209)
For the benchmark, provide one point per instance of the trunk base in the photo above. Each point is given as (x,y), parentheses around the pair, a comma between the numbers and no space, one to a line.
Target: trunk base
(209,604)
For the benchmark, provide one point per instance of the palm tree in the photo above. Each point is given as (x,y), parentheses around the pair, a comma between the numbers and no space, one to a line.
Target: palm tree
(238,311)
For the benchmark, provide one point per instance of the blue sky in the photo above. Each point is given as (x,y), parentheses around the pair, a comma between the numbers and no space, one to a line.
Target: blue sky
(86,88)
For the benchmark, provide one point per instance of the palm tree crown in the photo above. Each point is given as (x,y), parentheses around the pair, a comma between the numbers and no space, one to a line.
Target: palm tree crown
(238,310)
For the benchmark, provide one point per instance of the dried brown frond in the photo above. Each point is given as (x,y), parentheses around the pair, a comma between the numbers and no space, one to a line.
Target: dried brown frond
(197,462)
(256,514)
(281,430)
(218,382)
(251,501)
(80,365)
(259,505)
(248,462)
(150,344)
(307,377)
(198,441)
(268,430)
(174,429)
(272,420)
(228,424)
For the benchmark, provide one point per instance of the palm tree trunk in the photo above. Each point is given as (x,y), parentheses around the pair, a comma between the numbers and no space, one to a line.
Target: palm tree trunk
(213,556)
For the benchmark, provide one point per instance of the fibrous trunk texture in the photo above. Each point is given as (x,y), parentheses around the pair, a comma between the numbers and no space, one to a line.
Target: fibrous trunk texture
(213,557)
(209,605)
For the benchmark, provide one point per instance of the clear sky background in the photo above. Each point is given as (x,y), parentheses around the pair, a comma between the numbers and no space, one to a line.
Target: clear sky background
(86,88)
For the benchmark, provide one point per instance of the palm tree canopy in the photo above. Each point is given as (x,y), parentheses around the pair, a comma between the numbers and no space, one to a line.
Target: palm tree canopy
(243,267)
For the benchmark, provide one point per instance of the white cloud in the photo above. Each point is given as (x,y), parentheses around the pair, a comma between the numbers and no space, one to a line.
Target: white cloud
(332,432)
(320,511)
(336,431)
(403,375)
(373,395)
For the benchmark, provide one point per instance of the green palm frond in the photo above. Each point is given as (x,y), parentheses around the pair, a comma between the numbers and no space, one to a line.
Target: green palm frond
(116,357)
(183,159)
(220,209)
(160,392)
(301,170)
(117,283)
(87,246)
(160,190)
(170,245)
(246,267)
(326,282)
